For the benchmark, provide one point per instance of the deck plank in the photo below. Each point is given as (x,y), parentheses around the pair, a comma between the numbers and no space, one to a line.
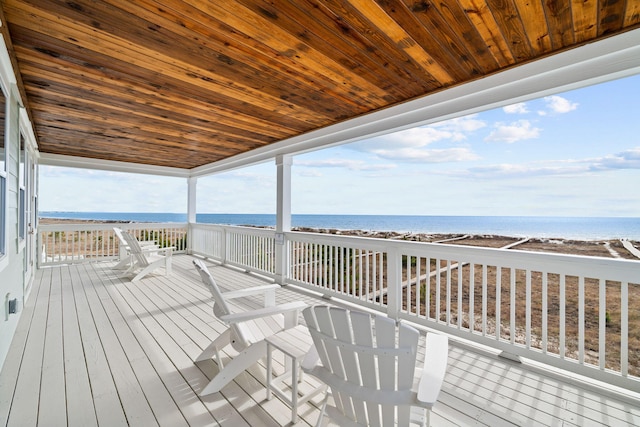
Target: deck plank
(80,405)
(24,410)
(11,371)
(160,401)
(52,408)
(93,348)
(109,410)
(176,370)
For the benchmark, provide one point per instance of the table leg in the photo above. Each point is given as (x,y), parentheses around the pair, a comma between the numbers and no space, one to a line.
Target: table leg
(294,391)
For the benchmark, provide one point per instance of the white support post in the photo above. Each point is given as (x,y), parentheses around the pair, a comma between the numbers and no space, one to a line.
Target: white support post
(191,210)
(394,283)
(283,216)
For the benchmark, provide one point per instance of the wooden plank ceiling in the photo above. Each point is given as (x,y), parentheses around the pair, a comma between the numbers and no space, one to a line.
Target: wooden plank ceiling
(184,83)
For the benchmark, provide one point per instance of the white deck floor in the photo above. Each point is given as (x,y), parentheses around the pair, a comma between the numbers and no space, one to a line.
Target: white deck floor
(94,349)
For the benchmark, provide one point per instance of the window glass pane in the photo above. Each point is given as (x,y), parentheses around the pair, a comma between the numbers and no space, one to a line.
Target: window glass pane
(22,223)
(22,175)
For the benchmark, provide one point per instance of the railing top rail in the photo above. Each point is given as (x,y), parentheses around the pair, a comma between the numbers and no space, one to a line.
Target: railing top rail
(236,228)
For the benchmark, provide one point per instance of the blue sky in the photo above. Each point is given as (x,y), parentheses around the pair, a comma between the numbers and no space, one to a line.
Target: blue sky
(571,154)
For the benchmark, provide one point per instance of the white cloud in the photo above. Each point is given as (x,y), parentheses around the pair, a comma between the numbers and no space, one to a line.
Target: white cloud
(411,145)
(453,130)
(513,132)
(628,159)
(501,171)
(519,108)
(354,165)
(419,155)
(560,105)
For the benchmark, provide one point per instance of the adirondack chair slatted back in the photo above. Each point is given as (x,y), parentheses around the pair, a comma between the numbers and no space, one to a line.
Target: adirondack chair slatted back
(368,362)
(120,237)
(242,336)
(135,248)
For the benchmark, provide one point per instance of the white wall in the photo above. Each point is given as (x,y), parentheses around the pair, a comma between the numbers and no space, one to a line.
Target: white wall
(13,282)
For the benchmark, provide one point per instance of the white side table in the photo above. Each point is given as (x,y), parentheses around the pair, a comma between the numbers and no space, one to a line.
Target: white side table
(288,342)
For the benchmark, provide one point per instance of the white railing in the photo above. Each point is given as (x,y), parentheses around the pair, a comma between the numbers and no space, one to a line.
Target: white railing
(75,243)
(248,248)
(573,312)
(208,240)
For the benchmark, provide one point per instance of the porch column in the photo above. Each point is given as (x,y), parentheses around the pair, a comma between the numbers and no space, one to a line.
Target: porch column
(283,216)
(191,210)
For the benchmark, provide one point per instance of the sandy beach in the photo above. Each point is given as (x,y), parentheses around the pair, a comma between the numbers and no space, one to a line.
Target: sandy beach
(612,248)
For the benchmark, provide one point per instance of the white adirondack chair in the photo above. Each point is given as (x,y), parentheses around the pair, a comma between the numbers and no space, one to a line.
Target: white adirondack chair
(369,364)
(126,259)
(246,331)
(144,261)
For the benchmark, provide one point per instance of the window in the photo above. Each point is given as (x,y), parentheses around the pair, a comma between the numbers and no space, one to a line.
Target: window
(3,175)
(22,179)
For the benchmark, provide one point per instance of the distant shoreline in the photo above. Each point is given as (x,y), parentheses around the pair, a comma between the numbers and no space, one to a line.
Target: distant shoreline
(608,248)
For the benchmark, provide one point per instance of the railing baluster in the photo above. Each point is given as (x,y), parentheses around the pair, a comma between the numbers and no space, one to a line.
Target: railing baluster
(512,307)
(581,320)
(438,290)
(484,299)
(381,282)
(418,285)
(602,320)
(472,303)
(460,290)
(368,275)
(427,296)
(528,308)
(448,293)
(563,317)
(624,329)
(498,301)
(360,272)
(409,275)
(545,308)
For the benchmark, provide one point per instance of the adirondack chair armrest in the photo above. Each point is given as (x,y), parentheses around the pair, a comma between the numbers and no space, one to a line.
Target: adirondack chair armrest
(168,249)
(269,292)
(435,366)
(149,244)
(291,307)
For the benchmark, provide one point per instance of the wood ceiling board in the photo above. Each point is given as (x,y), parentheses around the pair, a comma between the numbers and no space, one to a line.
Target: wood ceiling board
(134,57)
(44,70)
(229,76)
(142,117)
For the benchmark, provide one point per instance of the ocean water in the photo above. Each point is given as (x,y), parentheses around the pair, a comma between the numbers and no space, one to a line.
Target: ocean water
(579,228)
